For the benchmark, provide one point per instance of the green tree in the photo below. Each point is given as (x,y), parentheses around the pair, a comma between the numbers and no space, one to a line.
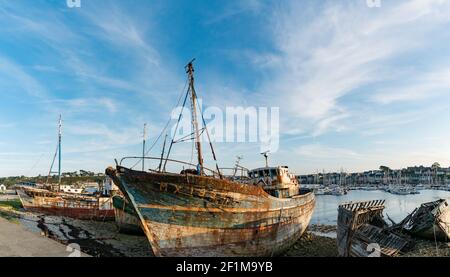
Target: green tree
(436,165)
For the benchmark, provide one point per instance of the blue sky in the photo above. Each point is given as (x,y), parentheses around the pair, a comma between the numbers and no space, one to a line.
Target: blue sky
(357,87)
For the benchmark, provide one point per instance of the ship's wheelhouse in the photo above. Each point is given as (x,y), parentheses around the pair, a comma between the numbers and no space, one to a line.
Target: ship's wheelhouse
(276,181)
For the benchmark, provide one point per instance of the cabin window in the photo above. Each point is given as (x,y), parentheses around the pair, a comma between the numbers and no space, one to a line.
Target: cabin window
(273,172)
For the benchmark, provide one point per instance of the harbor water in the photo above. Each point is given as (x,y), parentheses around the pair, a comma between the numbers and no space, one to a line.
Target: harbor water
(397,206)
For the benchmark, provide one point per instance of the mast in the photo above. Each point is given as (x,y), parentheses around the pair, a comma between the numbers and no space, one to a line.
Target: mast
(144,135)
(59,151)
(266,155)
(190,72)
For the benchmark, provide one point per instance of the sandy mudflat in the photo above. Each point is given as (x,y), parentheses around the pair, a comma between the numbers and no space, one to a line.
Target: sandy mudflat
(102,239)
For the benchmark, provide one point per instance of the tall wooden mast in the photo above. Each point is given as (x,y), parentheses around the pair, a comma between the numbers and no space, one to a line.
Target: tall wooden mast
(198,146)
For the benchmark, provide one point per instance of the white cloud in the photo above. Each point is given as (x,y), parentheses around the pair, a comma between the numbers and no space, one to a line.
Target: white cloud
(425,85)
(342,49)
(82,105)
(235,8)
(121,29)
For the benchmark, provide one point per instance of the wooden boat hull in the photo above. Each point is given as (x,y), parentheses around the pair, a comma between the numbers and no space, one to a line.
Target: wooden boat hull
(361,231)
(190,215)
(51,203)
(430,221)
(126,218)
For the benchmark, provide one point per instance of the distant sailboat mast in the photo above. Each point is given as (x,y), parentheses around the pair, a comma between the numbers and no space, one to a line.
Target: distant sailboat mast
(144,136)
(57,152)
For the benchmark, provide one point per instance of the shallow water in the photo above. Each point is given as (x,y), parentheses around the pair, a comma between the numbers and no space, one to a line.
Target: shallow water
(397,206)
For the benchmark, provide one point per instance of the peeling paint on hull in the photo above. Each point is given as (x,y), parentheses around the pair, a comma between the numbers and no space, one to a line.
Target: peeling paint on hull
(126,218)
(88,208)
(189,215)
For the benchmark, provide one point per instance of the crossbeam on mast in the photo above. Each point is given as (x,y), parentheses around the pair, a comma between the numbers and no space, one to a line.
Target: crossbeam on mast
(198,146)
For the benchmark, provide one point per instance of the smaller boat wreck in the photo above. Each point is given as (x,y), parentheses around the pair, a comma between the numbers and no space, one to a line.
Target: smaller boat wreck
(361,228)
(60,200)
(430,221)
(66,204)
(362,231)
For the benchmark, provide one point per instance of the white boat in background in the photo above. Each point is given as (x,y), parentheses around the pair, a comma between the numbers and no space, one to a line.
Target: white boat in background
(332,190)
(338,191)
(402,189)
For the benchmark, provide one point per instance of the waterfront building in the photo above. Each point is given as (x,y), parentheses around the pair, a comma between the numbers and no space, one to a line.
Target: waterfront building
(432,177)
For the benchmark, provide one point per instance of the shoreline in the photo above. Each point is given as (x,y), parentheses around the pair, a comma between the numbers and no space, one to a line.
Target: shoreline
(102,239)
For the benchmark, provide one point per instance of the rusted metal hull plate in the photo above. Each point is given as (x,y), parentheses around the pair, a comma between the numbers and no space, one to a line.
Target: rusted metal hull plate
(77,213)
(186,215)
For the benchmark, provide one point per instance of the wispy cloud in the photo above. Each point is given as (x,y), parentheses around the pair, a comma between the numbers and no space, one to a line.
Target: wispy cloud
(122,29)
(101,104)
(16,73)
(344,49)
(425,85)
(235,8)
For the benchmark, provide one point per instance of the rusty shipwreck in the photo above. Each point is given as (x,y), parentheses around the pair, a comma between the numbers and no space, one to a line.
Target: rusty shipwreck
(52,199)
(198,212)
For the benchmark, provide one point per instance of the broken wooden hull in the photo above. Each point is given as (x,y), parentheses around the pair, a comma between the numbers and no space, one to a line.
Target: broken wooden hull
(362,232)
(60,204)
(126,217)
(190,215)
(430,221)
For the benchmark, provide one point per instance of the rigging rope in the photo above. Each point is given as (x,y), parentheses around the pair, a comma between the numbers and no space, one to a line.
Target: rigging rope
(53,162)
(173,141)
(165,127)
(209,139)
(176,128)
